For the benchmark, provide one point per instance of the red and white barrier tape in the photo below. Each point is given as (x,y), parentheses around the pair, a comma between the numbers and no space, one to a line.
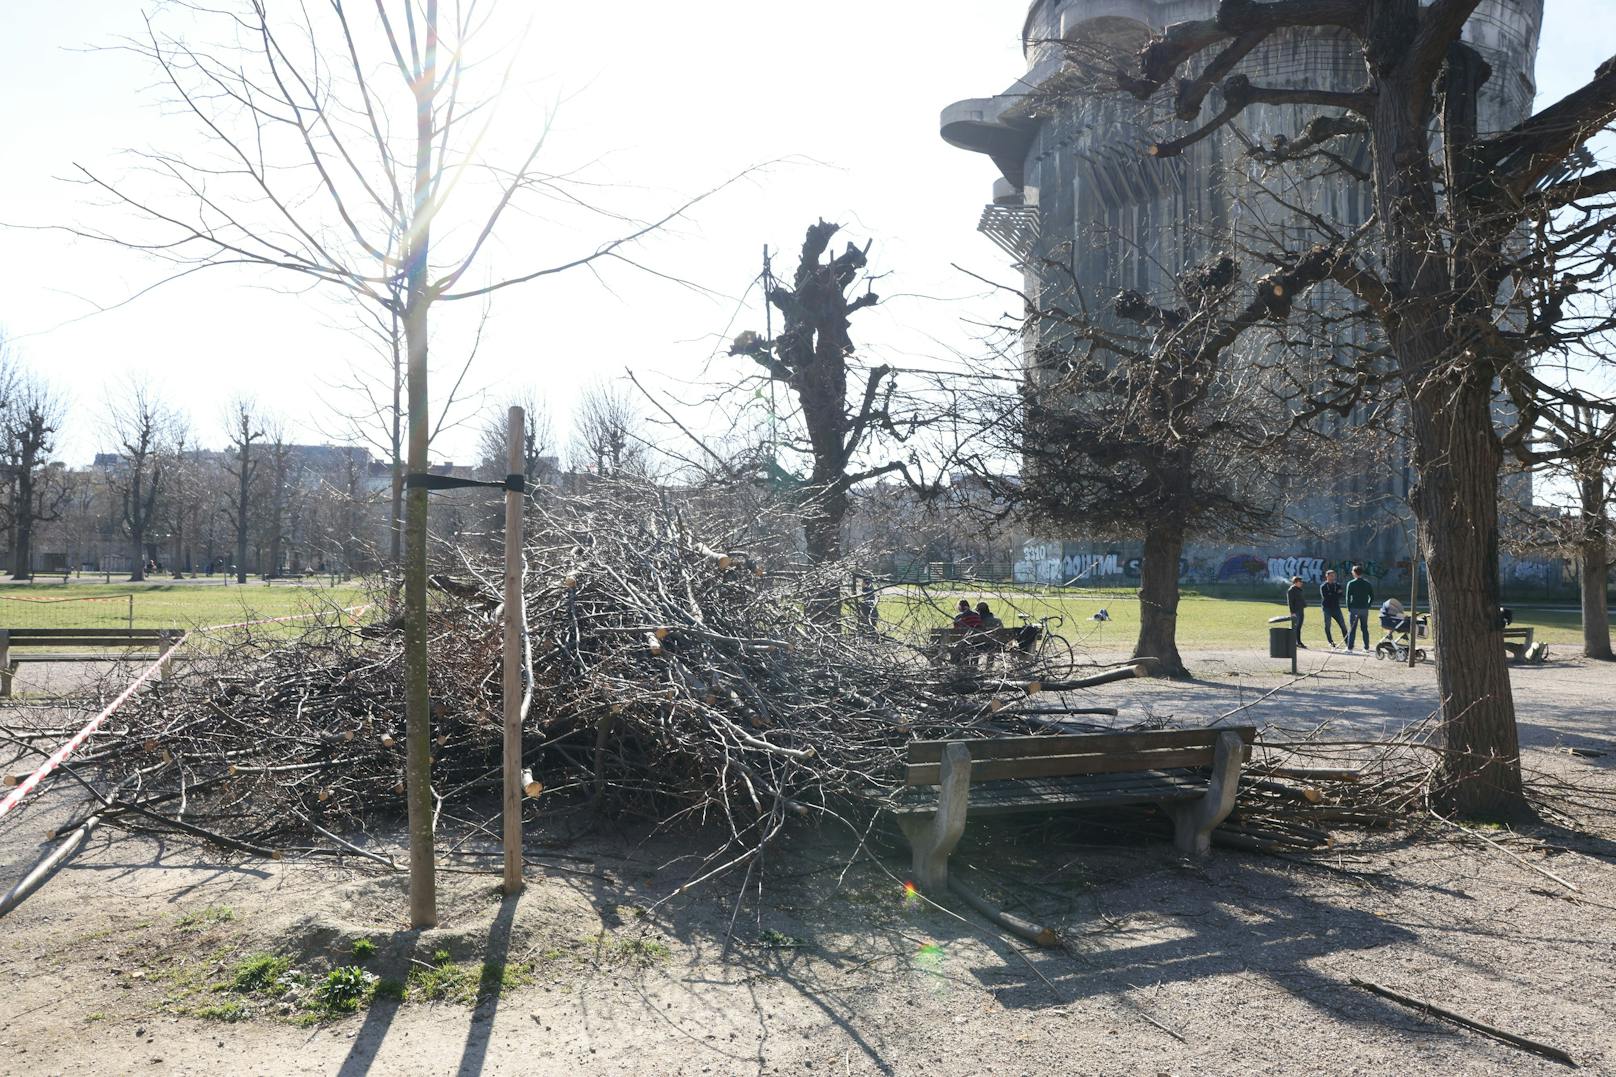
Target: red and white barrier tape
(28,784)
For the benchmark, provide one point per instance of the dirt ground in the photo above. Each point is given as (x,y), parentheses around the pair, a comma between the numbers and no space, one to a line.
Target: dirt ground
(1239,964)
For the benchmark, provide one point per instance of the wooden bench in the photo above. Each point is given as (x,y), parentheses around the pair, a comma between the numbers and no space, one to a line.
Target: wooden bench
(1191,774)
(1522,637)
(131,642)
(958,645)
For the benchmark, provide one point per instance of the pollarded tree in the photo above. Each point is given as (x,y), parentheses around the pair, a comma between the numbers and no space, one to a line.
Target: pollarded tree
(1143,420)
(143,428)
(33,420)
(1480,246)
(813,358)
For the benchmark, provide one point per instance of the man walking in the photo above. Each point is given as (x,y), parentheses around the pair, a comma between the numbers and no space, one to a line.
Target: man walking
(1330,595)
(1298,606)
(1360,596)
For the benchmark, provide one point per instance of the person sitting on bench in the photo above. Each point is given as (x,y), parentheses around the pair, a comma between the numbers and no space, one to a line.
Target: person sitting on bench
(986,615)
(967,618)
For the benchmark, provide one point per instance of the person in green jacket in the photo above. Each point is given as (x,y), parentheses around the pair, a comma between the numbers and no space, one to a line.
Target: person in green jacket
(1360,597)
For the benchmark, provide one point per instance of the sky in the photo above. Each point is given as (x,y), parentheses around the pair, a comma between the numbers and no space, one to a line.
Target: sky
(649,105)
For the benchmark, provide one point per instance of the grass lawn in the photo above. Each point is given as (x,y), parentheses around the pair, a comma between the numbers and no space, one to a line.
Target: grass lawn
(1204,621)
(162,605)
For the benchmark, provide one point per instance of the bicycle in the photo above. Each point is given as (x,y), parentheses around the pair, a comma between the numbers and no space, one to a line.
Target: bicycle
(1050,653)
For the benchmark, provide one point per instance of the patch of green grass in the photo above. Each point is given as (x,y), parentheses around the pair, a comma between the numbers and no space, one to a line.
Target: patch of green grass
(96,1016)
(228,1011)
(448,981)
(391,990)
(638,950)
(343,990)
(170,604)
(363,949)
(1205,621)
(260,974)
(778,940)
(206,918)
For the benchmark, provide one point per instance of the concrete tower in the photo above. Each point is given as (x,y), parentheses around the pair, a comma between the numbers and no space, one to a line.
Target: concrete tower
(1076,190)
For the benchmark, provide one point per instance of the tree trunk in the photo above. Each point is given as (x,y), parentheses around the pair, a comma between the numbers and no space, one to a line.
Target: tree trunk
(417,687)
(822,532)
(137,538)
(1457,457)
(1158,599)
(1593,560)
(23,567)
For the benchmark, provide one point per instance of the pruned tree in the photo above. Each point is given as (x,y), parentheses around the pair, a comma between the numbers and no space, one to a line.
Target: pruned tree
(142,427)
(33,419)
(1584,444)
(1141,419)
(839,405)
(1480,246)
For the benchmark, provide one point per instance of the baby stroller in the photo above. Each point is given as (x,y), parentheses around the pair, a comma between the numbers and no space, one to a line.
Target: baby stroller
(1401,633)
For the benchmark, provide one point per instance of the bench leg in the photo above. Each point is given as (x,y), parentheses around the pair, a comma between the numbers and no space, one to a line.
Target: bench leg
(1194,820)
(6,672)
(933,837)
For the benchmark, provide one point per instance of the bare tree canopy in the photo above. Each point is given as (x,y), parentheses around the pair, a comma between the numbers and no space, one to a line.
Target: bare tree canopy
(1486,250)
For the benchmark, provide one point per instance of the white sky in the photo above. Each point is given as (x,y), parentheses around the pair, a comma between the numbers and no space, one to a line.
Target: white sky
(663,99)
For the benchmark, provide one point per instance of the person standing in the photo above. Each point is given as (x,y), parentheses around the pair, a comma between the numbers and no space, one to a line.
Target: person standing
(1330,595)
(1298,605)
(1360,596)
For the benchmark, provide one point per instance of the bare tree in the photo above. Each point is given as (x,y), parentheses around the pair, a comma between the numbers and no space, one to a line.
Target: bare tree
(538,438)
(246,430)
(607,437)
(1585,456)
(812,358)
(1479,246)
(33,420)
(1155,431)
(314,174)
(142,428)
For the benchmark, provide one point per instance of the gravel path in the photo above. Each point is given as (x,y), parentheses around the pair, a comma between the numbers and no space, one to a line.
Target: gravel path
(1238,965)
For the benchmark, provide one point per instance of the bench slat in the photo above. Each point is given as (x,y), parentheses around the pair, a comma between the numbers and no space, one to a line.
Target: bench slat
(71,656)
(931,751)
(1080,791)
(1054,766)
(110,633)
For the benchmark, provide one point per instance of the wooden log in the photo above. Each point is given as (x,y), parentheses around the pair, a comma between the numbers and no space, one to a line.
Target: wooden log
(1036,934)
(1308,793)
(1315,774)
(1431,1008)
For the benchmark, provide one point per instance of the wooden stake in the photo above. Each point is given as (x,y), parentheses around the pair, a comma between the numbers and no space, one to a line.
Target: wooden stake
(514,614)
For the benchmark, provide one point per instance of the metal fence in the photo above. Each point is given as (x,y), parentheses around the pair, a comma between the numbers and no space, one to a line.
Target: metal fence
(105,611)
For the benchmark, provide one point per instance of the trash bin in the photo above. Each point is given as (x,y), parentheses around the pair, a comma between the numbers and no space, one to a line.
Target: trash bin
(1282,642)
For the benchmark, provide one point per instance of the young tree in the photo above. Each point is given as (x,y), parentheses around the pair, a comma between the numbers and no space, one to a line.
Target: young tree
(1471,268)
(143,429)
(246,430)
(341,135)
(32,422)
